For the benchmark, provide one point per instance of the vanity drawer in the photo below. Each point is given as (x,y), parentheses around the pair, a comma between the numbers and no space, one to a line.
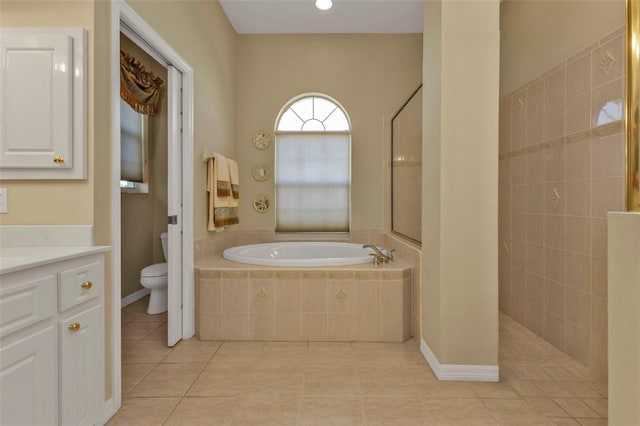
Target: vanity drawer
(79,284)
(27,303)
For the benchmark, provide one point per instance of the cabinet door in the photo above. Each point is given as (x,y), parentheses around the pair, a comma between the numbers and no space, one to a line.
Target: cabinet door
(28,380)
(37,95)
(42,103)
(82,368)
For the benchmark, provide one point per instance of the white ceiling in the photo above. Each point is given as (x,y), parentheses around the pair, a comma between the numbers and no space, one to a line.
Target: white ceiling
(302,17)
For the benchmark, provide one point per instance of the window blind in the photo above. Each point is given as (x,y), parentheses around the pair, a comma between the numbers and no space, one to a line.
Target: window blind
(313,180)
(132,134)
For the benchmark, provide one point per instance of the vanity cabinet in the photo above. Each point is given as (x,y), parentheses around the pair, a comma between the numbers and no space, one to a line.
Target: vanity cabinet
(52,343)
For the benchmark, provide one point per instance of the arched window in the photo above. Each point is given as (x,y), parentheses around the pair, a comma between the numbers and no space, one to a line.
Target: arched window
(313,166)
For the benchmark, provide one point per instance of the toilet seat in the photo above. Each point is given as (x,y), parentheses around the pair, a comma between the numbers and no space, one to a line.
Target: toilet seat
(156,270)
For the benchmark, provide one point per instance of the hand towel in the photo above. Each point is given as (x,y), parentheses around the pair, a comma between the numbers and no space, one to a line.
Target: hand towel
(235,182)
(221,212)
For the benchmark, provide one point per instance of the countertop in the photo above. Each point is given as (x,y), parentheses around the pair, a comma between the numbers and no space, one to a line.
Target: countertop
(14,259)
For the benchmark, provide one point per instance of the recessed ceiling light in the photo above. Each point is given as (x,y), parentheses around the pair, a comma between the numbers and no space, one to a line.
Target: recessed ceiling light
(324,4)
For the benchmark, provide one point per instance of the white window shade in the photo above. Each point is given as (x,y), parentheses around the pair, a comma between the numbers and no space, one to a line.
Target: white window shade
(133,129)
(313,180)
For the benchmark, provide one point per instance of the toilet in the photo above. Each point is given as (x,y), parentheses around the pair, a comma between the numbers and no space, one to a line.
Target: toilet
(154,277)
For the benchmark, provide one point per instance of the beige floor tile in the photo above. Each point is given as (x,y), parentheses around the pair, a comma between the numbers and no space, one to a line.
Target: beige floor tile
(560,374)
(327,383)
(327,380)
(526,388)
(389,381)
(147,352)
(143,411)
(422,374)
(494,390)
(459,411)
(319,411)
(159,333)
(580,390)
(601,387)
(511,373)
(204,411)
(512,412)
(554,389)
(239,352)
(132,374)
(168,380)
(271,411)
(599,405)
(283,354)
(222,379)
(592,422)
(127,345)
(138,317)
(334,353)
(139,330)
(139,306)
(281,381)
(445,390)
(568,421)
(379,353)
(546,406)
(192,351)
(534,373)
(406,411)
(576,408)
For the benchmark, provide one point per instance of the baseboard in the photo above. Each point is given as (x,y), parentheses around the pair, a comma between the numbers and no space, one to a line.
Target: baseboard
(109,410)
(459,372)
(134,297)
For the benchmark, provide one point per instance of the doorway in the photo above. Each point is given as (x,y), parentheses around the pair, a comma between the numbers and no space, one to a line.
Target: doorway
(179,212)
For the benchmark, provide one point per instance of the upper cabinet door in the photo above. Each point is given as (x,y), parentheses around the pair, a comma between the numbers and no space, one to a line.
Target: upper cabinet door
(42,107)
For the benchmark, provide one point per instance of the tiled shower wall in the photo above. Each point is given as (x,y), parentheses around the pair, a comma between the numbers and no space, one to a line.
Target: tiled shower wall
(562,160)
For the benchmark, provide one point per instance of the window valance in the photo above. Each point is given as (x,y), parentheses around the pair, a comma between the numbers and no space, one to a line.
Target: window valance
(139,87)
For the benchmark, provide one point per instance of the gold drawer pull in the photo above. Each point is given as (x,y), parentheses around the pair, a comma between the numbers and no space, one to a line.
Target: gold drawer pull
(74,327)
(87,285)
(58,160)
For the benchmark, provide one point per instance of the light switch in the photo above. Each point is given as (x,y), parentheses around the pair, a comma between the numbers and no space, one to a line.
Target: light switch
(4,202)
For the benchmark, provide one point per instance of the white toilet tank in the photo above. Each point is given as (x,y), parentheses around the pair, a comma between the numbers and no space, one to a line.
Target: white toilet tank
(164,240)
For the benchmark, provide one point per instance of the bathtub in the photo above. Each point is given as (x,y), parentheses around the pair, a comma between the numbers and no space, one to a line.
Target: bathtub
(300,254)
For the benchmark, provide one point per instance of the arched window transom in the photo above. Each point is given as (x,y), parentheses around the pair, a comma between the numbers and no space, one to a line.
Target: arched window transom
(313,114)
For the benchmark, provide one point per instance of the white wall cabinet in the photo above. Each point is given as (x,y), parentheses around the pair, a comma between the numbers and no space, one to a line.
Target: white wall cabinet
(43,103)
(52,343)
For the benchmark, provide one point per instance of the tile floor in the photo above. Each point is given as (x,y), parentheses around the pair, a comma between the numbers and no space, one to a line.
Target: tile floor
(323,384)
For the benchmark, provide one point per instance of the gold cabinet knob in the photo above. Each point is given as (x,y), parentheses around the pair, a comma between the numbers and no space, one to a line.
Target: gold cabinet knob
(87,285)
(74,327)
(58,160)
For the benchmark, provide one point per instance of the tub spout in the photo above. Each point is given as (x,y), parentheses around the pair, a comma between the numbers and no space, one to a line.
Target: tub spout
(379,257)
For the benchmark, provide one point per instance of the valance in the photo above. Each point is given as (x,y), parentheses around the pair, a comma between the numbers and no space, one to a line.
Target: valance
(139,87)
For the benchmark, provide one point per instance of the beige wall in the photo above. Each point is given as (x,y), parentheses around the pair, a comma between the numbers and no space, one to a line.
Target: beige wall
(54,202)
(460,181)
(537,35)
(200,32)
(144,216)
(370,75)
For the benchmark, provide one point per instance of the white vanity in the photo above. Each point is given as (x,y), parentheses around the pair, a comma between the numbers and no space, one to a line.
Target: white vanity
(52,335)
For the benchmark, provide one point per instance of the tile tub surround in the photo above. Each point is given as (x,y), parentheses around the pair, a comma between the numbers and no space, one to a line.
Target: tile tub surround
(354,303)
(561,169)
(215,243)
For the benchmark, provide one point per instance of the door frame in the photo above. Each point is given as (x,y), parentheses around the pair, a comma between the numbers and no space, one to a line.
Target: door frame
(122,13)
